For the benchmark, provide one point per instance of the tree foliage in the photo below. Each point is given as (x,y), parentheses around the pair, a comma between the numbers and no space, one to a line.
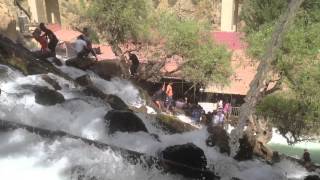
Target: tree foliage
(204,61)
(120,20)
(297,62)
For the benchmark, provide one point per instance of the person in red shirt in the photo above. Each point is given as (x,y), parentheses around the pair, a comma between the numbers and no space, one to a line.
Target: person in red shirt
(42,41)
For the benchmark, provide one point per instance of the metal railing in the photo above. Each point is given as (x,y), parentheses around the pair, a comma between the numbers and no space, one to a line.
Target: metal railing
(235,111)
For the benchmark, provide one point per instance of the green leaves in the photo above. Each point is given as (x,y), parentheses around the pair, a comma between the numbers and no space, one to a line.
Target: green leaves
(204,61)
(298,61)
(120,20)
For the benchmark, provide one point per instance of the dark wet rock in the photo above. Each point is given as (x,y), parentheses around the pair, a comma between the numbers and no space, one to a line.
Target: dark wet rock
(245,150)
(155,137)
(51,81)
(312,177)
(124,121)
(94,91)
(218,137)
(47,97)
(187,154)
(81,63)
(116,102)
(84,80)
(172,125)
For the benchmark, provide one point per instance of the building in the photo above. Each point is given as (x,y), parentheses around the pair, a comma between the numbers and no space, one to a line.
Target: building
(46,11)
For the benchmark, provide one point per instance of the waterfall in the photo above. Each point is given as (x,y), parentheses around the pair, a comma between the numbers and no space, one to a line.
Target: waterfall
(30,156)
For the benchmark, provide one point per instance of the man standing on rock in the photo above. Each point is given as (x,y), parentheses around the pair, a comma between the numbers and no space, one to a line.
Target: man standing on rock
(169,93)
(53,40)
(134,64)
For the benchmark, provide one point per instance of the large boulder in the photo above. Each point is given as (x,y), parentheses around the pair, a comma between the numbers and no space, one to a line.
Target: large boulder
(124,121)
(218,137)
(312,177)
(116,102)
(47,97)
(51,81)
(81,63)
(107,69)
(172,125)
(246,149)
(187,154)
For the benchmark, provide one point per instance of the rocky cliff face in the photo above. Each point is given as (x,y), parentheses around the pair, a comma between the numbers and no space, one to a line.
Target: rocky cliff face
(8,21)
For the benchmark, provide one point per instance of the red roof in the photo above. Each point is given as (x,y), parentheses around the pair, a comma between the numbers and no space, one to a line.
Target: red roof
(54,27)
(231,39)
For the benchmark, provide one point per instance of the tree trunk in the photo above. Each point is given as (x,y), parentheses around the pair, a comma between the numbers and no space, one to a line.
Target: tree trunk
(264,71)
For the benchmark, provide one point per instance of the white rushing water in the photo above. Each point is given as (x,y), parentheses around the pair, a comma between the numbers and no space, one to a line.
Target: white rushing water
(24,155)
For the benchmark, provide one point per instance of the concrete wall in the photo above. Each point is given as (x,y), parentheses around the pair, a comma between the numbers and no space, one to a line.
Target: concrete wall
(53,12)
(46,11)
(227,15)
(230,11)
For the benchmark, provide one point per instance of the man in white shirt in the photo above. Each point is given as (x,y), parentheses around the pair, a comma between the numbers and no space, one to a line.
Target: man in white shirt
(80,47)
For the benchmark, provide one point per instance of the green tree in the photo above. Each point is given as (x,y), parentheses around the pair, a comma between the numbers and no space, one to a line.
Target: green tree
(204,61)
(296,63)
(120,20)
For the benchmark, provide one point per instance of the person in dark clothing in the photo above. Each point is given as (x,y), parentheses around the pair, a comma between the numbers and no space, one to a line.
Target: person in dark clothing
(53,40)
(159,97)
(306,156)
(135,63)
(86,37)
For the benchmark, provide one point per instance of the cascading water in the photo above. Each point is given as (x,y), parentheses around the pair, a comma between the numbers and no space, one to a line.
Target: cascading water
(24,155)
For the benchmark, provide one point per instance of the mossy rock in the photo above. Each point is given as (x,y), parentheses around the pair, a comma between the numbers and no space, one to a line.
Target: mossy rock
(173,125)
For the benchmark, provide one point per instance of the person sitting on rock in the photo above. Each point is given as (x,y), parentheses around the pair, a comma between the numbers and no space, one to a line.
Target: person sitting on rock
(80,46)
(53,40)
(86,38)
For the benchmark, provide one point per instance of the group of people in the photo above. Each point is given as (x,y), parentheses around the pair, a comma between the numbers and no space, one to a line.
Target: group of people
(163,98)
(82,46)
(47,39)
(222,112)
